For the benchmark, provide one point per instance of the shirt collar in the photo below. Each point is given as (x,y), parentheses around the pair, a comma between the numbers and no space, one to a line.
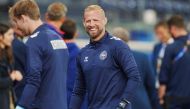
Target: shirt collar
(171,40)
(184,37)
(55,29)
(38,28)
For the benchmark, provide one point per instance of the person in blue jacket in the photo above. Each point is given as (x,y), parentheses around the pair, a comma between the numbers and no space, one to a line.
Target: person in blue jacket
(47,60)
(175,70)
(70,33)
(19,53)
(146,96)
(163,35)
(106,67)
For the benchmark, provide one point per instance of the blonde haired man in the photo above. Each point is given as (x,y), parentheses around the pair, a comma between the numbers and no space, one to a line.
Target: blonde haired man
(106,67)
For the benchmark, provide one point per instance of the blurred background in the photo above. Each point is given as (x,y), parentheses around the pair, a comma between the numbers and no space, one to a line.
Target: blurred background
(138,16)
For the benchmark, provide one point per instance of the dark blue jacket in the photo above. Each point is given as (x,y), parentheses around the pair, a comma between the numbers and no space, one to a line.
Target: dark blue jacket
(107,70)
(175,74)
(71,74)
(146,96)
(47,62)
(19,53)
(5,80)
(72,70)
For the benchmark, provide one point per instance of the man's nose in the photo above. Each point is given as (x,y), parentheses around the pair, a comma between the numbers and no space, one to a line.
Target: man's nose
(92,23)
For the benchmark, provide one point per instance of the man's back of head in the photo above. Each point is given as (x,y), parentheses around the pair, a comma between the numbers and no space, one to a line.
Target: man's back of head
(69,28)
(121,33)
(56,11)
(177,21)
(177,26)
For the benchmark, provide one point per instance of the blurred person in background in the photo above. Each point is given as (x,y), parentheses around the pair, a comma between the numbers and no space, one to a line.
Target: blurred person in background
(163,35)
(7,72)
(106,68)
(146,95)
(175,70)
(70,33)
(19,53)
(47,60)
(55,16)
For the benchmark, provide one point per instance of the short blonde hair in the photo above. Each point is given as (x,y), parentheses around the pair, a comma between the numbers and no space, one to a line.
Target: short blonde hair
(121,33)
(56,11)
(94,7)
(25,7)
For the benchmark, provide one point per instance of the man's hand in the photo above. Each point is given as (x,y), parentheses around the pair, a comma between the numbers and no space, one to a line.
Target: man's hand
(161,93)
(16,75)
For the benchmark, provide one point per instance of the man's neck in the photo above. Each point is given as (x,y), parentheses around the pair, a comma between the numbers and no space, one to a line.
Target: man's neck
(100,36)
(35,24)
(69,40)
(56,24)
(167,38)
(181,33)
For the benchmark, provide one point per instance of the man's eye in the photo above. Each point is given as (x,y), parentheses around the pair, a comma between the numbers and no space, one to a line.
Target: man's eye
(88,21)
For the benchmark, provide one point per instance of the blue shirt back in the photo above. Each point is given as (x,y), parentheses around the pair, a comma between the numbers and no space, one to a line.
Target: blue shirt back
(175,74)
(47,62)
(71,74)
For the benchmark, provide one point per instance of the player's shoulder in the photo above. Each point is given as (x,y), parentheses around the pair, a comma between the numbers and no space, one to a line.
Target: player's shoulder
(33,38)
(84,49)
(173,45)
(114,41)
(41,33)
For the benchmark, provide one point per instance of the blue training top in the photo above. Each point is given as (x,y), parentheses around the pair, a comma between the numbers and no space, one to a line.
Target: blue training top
(107,70)
(71,74)
(47,62)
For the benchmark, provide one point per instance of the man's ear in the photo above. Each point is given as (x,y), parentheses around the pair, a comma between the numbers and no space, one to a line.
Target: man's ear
(46,17)
(1,38)
(83,22)
(105,21)
(63,19)
(24,18)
